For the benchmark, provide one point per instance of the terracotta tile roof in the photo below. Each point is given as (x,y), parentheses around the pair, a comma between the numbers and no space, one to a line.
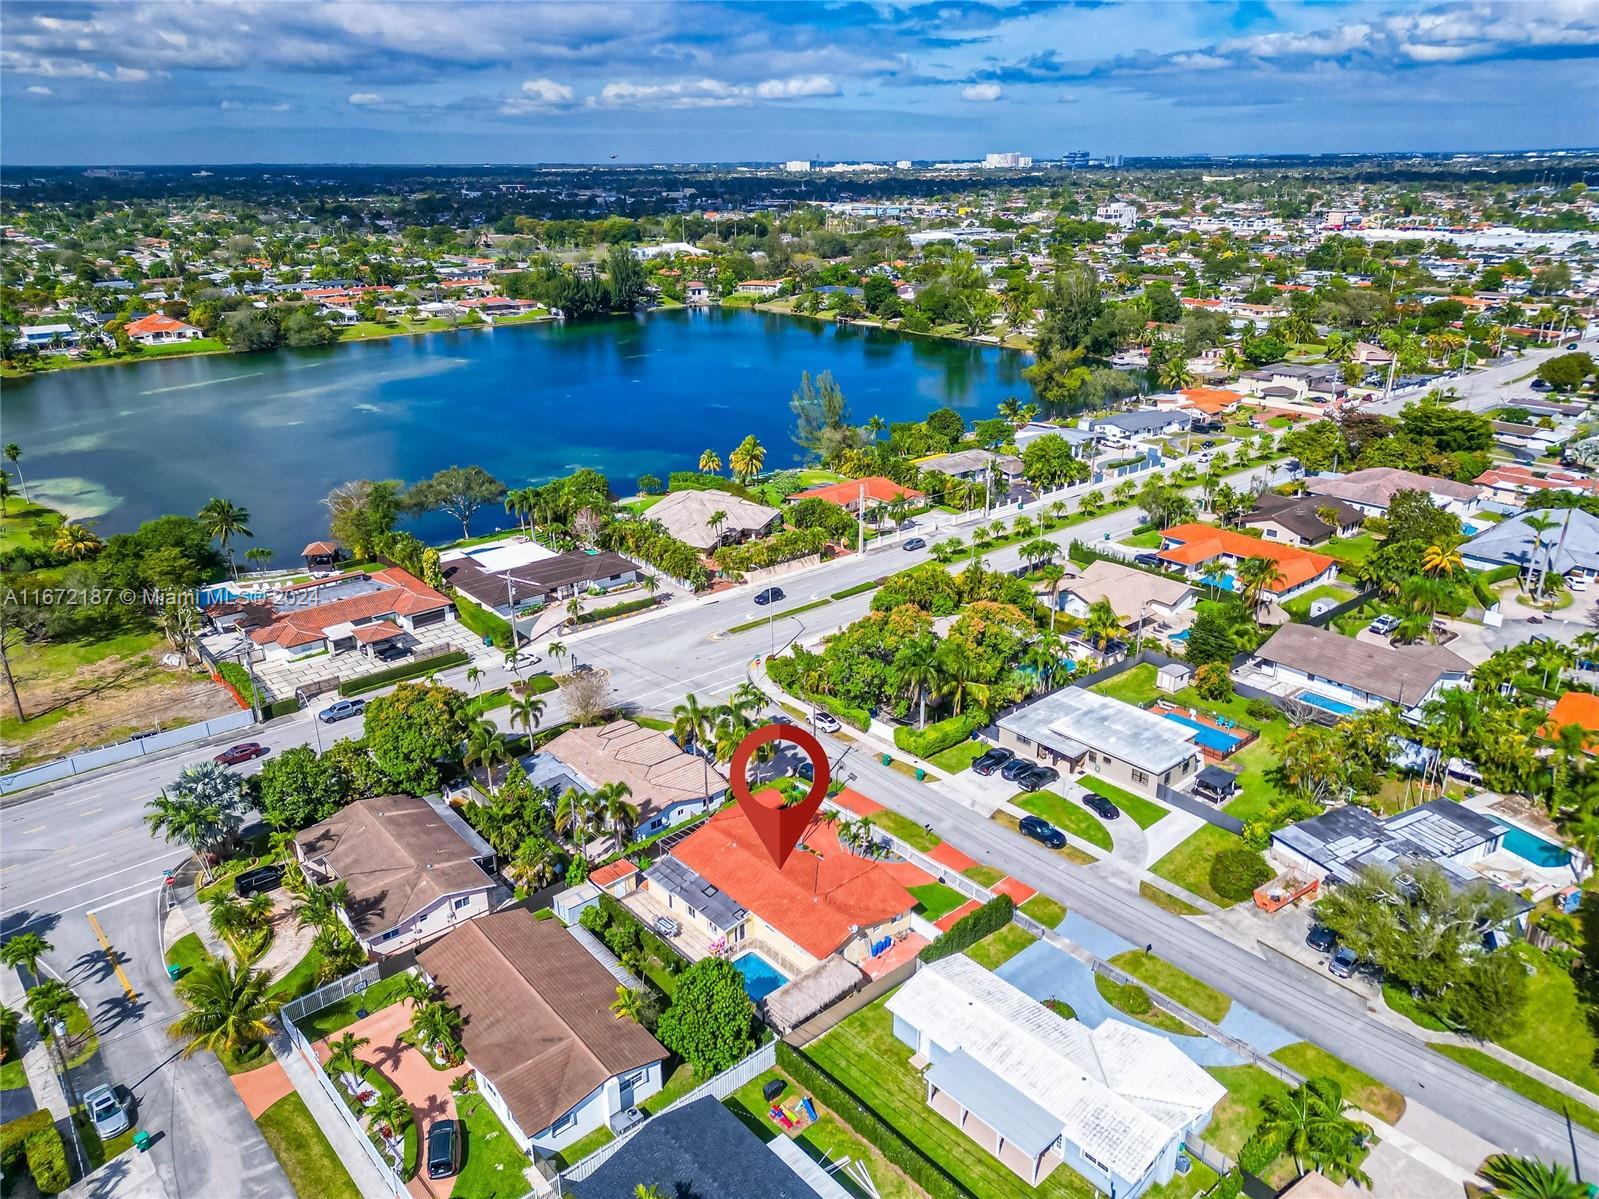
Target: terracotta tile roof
(403,595)
(657,773)
(1574,707)
(614,873)
(154,323)
(1210,399)
(536,1011)
(878,489)
(820,897)
(1199,543)
(319,547)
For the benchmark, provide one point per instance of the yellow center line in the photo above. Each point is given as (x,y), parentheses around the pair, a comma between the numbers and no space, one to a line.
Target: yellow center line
(110,956)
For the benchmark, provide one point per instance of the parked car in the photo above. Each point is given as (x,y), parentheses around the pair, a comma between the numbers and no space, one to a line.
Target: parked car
(107,1113)
(667,927)
(1540,385)
(1577,583)
(391,653)
(245,751)
(252,882)
(1147,560)
(992,761)
(444,1149)
(1101,806)
(1042,831)
(1015,768)
(1343,962)
(341,709)
(1038,778)
(916,543)
(826,721)
(1321,938)
(1384,625)
(770,596)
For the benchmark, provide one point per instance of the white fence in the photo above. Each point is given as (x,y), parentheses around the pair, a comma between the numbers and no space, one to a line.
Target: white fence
(721,1086)
(333,992)
(123,751)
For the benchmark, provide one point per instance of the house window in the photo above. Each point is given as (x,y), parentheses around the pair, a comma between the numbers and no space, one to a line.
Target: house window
(564,1124)
(1140,777)
(635,1079)
(464,902)
(1092,1160)
(1020,740)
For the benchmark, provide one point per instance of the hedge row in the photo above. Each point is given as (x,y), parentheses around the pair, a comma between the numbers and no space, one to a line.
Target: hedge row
(771,551)
(621,609)
(1083,553)
(280,707)
(47,1161)
(688,480)
(859,588)
(972,928)
(406,670)
(15,1133)
(238,678)
(484,623)
(848,1107)
(939,735)
(784,671)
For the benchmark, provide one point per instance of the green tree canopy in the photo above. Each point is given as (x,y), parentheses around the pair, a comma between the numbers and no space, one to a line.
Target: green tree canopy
(710,1023)
(414,729)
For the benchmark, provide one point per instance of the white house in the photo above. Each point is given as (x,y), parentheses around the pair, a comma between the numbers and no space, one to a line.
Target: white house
(159,330)
(41,337)
(1083,732)
(1342,675)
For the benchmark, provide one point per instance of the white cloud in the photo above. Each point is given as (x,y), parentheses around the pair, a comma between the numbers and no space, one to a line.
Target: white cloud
(36,90)
(686,93)
(981,93)
(797,86)
(547,91)
(362,99)
(246,106)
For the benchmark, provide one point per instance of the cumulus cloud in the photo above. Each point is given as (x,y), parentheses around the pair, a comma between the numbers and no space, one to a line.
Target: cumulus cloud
(706,92)
(36,90)
(981,93)
(247,106)
(797,87)
(546,91)
(365,99)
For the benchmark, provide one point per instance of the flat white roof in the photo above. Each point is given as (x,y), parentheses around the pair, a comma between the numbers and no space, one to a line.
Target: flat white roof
(497,556)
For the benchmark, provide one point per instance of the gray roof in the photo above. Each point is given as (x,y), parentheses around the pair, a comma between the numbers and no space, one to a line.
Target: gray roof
(686,515)
(1074,720)
(995,1102)
(720,908)
(1400,674)
(1297,513)
(963,462)
(1345,839)
(1565,548)
(1145,422)
(1378,485)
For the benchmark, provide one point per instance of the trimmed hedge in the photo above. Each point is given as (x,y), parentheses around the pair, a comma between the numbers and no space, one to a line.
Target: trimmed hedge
(939,735)
(484,623)
(972,928)
(47,1161)
(859,588)
(238,678)
(281,707)
(14,1134)
(855,1112)
(621,609)
(406,670)
(1083,553)
(1236,871)
(857,718)
(784,671)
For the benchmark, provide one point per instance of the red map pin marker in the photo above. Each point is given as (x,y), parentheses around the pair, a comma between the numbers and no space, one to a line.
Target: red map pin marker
(778,827)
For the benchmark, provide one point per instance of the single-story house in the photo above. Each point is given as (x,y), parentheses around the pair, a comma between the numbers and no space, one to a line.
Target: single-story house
(1189,547)
(159,330)
(1341,675)
(666,785)
(1368,354)
(1114,1103)
(696,292)
(546,580)
(1297,519)
(551,1059)
(975,465)
(1148,422)
(1373,489)
(760,287)
(1210,401)
(352,612)
(1337,843)
(1580,708)
(688,516)
(413,871)
(1512,483)
(1081,440)
(1136,595)
(1084,732)
(1570,548)
(874,489)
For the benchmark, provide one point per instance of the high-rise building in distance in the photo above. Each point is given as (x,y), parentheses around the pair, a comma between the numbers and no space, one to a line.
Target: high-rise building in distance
(1008,159)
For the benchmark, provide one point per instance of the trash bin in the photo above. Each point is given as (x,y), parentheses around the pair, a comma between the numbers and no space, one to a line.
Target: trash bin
(887,759)
(920,774)
(174,970)
(141,1140)
(488,641)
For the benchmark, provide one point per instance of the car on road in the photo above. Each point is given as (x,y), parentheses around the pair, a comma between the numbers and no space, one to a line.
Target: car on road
(341,709)
(916,543)
(257,881)
(770,596)
(1038,778)
(1042,831)
(1100,806)
(107,1113)
(1015,768)
(392,653)
(667,927)
(1343,962)
(1321,938)
(244,751)
(826,721)
(444,1149)
(992,761)
(1540,385)
(1384,625)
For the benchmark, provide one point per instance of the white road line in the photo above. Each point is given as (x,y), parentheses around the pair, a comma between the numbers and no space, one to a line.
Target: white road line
(95,903)
(35,900)
(125,899)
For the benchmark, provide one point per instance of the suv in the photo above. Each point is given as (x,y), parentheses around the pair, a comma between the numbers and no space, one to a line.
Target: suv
(106,1112)
(1321,938)
(444,1148)
(1101,806)
(341,710)
(392,653)
(1037,778)
(261,879)
(1343,962)
(825,721)
(1384,625)
(1042,831)
(992,761)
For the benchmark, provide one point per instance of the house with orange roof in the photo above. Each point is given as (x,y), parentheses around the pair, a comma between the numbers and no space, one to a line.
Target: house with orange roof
(873,489)
(358,612)
(1580,708)
(1188,548)
(159,330)
(1212,401)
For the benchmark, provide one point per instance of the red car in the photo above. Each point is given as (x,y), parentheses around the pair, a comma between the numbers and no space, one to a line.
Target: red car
(245,751)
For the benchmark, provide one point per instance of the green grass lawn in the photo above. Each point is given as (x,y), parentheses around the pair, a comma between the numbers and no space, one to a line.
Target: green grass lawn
(1554,1031)
(958,757)
(1148,540)
(580,1148)
(863,1054)
(983,876)
(1064,814)
(342,1014)
(1197,997)
(1299,606)
(1188,865)
(1167,901)
(303,1150)
(491,1165)
(678,1083)
(12,1075)
(1144,812)
(1360,1088)
(186,953)
(1070,852)
(1239,1113)
(1048,912)
(27,524)
(1124,997)
(935,901)
(1522,1084)
(906,829)
(994,950)
(1400,1000)
(80,1033)
(1349,549)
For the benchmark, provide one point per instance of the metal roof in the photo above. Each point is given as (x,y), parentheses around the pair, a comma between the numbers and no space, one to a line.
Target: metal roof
(698,893)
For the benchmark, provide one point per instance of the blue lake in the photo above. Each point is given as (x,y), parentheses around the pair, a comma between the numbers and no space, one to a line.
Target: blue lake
(276,432)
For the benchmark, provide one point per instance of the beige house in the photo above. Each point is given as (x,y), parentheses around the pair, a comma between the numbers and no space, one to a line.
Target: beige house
(665,785)
(707,519)
(1136,595)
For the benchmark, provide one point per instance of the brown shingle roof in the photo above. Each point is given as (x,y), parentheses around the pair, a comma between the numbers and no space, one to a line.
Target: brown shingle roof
(656,771)
(536,1012)
(1402,674)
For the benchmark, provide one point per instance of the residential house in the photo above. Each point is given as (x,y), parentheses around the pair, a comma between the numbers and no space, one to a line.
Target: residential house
(688,516)
(759,287)
(852,493)
(1341,675)
(1144,422)
(1298,519)
(1570,548)
(696,292)
(1005,470)
(1113,1103)
(413,871)
(666,786)
(352,613)
(1081,440)
(48,337)
(1082,732)
(1580,708)
(1368,354)
(1295,382)
(545,579)
(1511,484)
(1188,548)
(552,1060)
(1336,844)
(1372,490)
(1211,402)
(1136,595)
(159,330)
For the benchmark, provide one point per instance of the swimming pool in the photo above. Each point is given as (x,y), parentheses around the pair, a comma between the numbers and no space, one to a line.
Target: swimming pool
(1179,638)
(761,978)
(1327,704)
(1217,740)
(1535,849)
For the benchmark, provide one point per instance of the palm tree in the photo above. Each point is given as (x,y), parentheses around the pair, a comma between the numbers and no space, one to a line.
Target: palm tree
(436,1024)
(690,722)
(572,816)
(1311,1125)
(5,491)
(1175,375)
(628,1004)
(225,520)
(258,556)
(1258,576)
(1053,575)
(534,863)
(1527,1178)
(610,801)
(319,907)
(715,521)
(1539,567)
(527,712)
(341,1053)
(50,1001)
(229,918)
(416,988)
(1213,572)
(229,1006)
(75,541)
(917,665)
(557,651)
(198,826)
(10,1024)
(13,452)
(25,949)
(747,459)
(1231,360)
(874,426)
(1441,559)
(710,463)
(1102,625)
(486,748)
(390,1112)
(960,677)
(574,609)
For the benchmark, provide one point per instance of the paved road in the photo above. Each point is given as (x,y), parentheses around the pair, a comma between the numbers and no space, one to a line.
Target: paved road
(1485,389)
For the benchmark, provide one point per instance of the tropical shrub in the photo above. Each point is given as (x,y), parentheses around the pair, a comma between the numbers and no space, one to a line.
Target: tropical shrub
(972,928)
(939,735)
(1236,871)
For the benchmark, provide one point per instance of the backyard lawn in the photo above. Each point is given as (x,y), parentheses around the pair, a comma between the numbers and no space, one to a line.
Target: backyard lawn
(339,1015)
(1064,814)
(1197,997)
(491,1164)
(864,1055)
(934,901)
(1360,1088)
(304,1152)
(1048,912)
(994,950)
(1349,549)
(1143,812)
(1299,606)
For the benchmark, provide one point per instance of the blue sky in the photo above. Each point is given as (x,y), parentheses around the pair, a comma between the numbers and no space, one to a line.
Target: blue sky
(206,81)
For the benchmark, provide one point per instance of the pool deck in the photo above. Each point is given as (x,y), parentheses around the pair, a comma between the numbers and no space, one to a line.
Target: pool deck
(1242,735)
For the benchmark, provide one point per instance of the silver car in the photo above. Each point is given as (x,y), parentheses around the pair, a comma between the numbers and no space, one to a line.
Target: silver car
(106,1113)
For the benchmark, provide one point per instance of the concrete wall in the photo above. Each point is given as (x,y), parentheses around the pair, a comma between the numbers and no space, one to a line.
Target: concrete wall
(124,751)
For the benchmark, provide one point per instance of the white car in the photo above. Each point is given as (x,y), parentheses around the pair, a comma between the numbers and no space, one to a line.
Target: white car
(1577,583)
(826,721)
(106,1113)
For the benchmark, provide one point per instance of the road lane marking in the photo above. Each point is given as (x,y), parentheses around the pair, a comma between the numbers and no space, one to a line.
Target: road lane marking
(110,956)
(100,878)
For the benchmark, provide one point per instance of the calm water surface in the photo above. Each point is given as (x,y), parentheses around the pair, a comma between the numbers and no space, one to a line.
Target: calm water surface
(276,432)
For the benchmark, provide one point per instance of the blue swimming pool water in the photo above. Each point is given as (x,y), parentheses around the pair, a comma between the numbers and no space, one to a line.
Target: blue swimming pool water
(761,978)
(1179,638)
(1327,704)
(1535,849)
(1213,739)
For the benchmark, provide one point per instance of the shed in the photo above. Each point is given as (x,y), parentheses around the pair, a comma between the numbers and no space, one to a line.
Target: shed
(1215,784)
(574,901)
(1174,676)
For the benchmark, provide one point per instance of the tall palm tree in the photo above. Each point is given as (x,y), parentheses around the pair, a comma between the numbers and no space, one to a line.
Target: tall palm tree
(1054,575)
(1213,572)
(1258,576)
(572,812)
(224,520)
(960,677)
(747,459)
(874,426)
(610,801)
(5,491)
(710,463)
(1311,1124)
(486,748)
(1527,1178)
(917,665)
(75,541)
(49,1001)
(196,825)
(1175,375)
(258,556)
(1102,625)
(341,1052)
(556,650)
(1539,567)
(527,712)
(715,521)
(13,453)
(229,1006)
(25,949)
(690,722)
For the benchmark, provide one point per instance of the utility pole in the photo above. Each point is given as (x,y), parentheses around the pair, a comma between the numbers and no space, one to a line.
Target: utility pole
(860,520)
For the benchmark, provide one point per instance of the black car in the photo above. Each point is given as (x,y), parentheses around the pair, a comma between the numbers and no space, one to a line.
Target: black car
(1101,806)
(391,653)
(916,543)
(1038,778)
(1042,831)
(341,710)
(992,761)
(770,596)
(257,881)
(444,1148)
(1014,769)
(1321,938)
(1152,560)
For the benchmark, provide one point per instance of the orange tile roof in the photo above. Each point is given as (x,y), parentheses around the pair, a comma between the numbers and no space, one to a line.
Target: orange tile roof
(154,323)
(1210,399)
(614,873)
(821,896)
(1199,543)
(404,595)
(1574,707)
(878,488)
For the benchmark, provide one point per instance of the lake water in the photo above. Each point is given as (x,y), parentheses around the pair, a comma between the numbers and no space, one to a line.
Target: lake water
(276,432)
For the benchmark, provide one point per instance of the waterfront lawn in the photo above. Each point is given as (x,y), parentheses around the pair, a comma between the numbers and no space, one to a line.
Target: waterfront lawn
(983,876)
(1048,912)
(26,524)
(934,901)
(1064,814)
(1524,1085)
(863,1054)
(1144,812)
(1359,1088)
(303,1151)
(1197,997)
(994,950)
